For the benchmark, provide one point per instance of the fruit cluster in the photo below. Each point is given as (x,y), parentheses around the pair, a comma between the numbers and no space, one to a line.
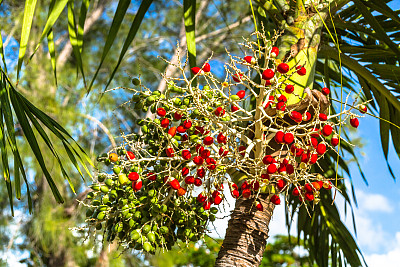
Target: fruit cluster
(167,180)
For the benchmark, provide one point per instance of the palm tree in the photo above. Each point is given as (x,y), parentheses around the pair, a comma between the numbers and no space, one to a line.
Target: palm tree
(335,37)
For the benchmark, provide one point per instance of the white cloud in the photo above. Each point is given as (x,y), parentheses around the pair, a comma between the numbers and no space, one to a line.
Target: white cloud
(373,202)
(389,259)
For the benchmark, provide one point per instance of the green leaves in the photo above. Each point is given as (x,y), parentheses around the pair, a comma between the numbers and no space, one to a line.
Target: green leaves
(30,118)
(189,15)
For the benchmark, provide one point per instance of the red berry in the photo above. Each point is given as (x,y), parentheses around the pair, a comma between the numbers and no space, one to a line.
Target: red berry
(223,151)
(335,140)
(221,138)
(242,150)
(151,176)
(309,196)
(289,89)
(161,112)
(315,132)
(282,169)
(268,74)
(246,193)
(198,160)
(211,163)
(249,59)
(305,157)
(133,176)
(279,137)
(280,184)
(206,67)
(281,106)
(314,142)
(265,176)
(308,188)
(296,116)
(325,91)
(205,153)
(206,205)
(165,123)
(137,185)
(219,111)
(199,130)
(271,169)
(189,180)
(241,94)
(307,116)
(186,155)
(313,158)
(172,131)
(197,70)
(245,185)
(327,130)
(130,155)
(217,200)
(177,116)
(201,172)
(181,191)
(283,68)
(274,52)
(259,206)
(235,193)
(282,98)
(201,198)
(199,148)
(295,192)
(198,182)
(180,129)
(268,159)
(174,184)
(322,117)
(234,108)
(185,171)
(354,122)
(237,77)
(301,70)
(363,108)
(321,149)
(275,200)
(208,140)
(289,169)
(288,138)
(187,124)
(170,152)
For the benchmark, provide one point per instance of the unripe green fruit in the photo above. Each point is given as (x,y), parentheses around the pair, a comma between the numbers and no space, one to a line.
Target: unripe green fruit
(101,177)
(214,210)
(235,97)
(147,246)
(123,179)
(146,229)
(150,100)
(89,212)
(151,237)
(132,223)
(98,226)
(118,227)
(156,92)
(164,230)
(95,187)
(135,81)
(137,215)
(135,98)
(91,195)
(101,215)
(186,101)
(151,193)
(104,189)
(109,182)
(135,235)
(116,169)
(96,202)
(177,102)
(105,199)
(145,129)
(194,138)
(121,151)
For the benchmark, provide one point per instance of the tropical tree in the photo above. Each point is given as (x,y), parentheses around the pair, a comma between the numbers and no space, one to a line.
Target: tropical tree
(330,36)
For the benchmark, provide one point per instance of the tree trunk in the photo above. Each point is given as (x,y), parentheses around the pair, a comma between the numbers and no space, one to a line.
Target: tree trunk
(247,233)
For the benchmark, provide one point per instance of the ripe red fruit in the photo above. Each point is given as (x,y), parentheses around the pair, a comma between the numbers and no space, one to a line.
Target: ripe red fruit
(174,184)
(305,157)
(268,74)
(201,198)
(354,122)
(363,108)
(315,132)
(237,77)
(137,185)
(295,192)
(301,70)
(189,180)
(259,206)
(246,193)
(205,153)
(199,130)
(234,108)
(314,142)
(309,196)
(289,169)
(180,129)
(308,188)
(255,185)
(274,52)
(241,94)
(282,98)
(245,185)
(219,111)
(268,159)
(325,91)
(221,138)
(151,176)
(265,176)
(275,200)
(223,151)
(206,67)
(281,106)
(217,200)
(235,193)
(130,155)
(322,117)
(161,112)
(206,205)
(211,163)
(282,169)
(133,176)
(198,160)
(215,193)
(289,89)
(170,152)
(271,169)
(242,150)
(249,59)
(307,116)
(172,131)
(280,184)
(186,155)
(283,68)
(208,140)
(321,149)
(164,123)
(288,138)
(177,116)
(187,124)
(199,148)
(313,158)
(185,137)
(201,172)
(181,191)
(279,137)
(327,130)
(335,140)
(197,70)
(198,182)
(185,171)
(296,116)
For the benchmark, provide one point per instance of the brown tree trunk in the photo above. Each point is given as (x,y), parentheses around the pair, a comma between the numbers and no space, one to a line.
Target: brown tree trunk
(247,233)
